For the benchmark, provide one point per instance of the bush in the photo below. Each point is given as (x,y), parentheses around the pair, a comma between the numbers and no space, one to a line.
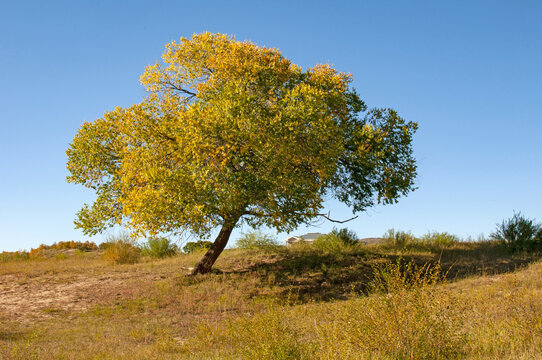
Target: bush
(336,240)
(346,236)
(62,245)
(6,256)
(256,240)
(439,238)
(193,246)
(159,248)
(120,250)
(519,233)
(398,238)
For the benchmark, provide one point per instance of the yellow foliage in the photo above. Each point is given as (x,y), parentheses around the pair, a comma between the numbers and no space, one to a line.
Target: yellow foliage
(231,130)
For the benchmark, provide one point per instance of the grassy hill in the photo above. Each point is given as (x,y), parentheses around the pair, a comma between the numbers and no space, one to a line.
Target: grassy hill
(383,301)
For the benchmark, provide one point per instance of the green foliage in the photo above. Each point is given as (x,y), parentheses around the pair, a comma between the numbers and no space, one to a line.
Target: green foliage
(519,233)
(194,246)
(121,250)
(159,248)
(6,256)
(62,245)
(347,236)
(336,240)
(398,238)
(231,131)
(404,239)
(439,238)
(256,240)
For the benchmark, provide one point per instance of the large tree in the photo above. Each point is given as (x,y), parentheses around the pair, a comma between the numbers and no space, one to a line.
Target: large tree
(232,132)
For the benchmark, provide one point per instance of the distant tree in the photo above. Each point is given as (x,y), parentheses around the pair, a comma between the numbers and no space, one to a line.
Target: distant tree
(231,132)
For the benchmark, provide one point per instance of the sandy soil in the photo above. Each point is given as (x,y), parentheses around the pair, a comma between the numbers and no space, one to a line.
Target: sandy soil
(25,298)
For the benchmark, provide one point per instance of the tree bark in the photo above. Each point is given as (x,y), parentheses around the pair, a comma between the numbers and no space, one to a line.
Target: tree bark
(206,263)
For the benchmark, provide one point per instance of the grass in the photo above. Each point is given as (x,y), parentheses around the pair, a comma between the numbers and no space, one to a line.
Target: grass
(426,300)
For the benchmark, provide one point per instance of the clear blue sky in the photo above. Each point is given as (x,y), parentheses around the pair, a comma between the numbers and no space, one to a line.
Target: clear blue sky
(469,72)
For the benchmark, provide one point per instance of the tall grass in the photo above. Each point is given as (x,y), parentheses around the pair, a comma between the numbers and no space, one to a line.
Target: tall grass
(6,256)
(406,318)
(404,239)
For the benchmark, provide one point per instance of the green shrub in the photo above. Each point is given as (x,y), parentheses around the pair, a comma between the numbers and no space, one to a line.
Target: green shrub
(256,240)
(61,256)
(120,250)
(439,238)
(159,248)
(6,256)
(336,240)
(519,233)
(398,238)
(347,236)
(193,246)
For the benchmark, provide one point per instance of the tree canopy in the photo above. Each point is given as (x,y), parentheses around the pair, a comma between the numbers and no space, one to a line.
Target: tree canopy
(232,132)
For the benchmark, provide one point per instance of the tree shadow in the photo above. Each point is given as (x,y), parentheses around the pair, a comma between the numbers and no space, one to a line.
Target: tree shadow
(308,275)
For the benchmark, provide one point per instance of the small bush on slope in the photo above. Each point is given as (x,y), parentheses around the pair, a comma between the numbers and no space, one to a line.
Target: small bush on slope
(519,233)
(336,241)
(256,240)
(194,246)
(121,250)
(159,248)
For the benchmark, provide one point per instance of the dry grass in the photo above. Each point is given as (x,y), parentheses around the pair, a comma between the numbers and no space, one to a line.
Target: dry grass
(298,303)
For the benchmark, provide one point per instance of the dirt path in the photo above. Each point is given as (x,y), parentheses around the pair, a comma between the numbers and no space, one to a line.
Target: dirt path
(30,298)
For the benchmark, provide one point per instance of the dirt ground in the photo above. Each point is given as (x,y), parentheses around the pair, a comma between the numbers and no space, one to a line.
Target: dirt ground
(25,297)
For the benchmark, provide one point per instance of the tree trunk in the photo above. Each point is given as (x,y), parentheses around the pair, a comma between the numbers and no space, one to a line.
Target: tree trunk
(204,265)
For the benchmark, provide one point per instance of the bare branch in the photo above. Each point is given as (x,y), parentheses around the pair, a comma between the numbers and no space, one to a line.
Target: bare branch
(179,89)
(337,221)
(325,216)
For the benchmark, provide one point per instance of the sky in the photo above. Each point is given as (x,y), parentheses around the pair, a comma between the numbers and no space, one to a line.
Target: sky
(468,72)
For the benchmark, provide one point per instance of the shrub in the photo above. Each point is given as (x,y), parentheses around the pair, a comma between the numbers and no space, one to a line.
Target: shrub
(346,236)
(193,246)
(61,245)
(398,238)
(61,256)
(439,238)
(256,240)
(159,248)
(519,233)
(121,250)
(6,256)
(336,240)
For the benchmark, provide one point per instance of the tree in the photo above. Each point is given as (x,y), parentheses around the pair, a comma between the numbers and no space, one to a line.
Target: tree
(231,132)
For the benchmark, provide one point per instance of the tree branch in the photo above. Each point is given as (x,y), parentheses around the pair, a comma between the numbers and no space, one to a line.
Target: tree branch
(325,216)
(337,221)
(184,91)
